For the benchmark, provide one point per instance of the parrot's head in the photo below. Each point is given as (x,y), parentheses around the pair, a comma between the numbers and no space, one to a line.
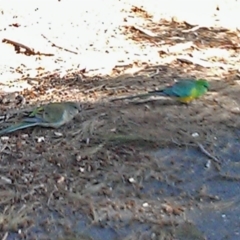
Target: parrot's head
(204,83)
(73,107)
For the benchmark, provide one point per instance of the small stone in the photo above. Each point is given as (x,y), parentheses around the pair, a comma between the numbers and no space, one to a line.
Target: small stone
(4,138)
(40,139)
(58,134)
(145,204)
(131,180)
(195,134)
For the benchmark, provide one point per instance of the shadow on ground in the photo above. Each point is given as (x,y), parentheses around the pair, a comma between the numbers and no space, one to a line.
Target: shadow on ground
(149,169)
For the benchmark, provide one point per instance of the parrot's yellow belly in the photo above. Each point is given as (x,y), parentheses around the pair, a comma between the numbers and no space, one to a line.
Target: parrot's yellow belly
(186,99)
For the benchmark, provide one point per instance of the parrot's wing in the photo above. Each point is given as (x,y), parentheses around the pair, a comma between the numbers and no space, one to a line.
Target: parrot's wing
(181,89)
(53,113)
(36,111)
(38,121)
(43,115)
(18,126)
(33,120)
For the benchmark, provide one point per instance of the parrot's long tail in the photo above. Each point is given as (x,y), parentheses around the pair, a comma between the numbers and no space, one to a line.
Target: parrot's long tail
(18,126)
(145,95)
(157,93)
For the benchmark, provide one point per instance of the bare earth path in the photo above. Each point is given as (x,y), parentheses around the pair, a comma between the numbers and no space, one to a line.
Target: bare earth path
(151,169)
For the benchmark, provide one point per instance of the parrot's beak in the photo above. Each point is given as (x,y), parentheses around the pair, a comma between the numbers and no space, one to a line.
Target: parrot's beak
(80,107)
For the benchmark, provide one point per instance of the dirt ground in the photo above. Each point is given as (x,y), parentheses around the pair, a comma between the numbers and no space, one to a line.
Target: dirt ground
(131,169)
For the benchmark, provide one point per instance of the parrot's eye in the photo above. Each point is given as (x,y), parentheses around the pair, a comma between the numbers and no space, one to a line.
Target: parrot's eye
(206,85)
(77,107)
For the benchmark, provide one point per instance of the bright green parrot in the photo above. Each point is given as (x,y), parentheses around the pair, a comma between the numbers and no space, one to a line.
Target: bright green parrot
(52,115)
(184,91)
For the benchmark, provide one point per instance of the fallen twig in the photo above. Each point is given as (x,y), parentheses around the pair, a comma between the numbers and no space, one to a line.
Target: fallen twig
(203,150)
(193,29)
(145,31)
(5,236)
(54,45)
(28,50)
(4,118)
